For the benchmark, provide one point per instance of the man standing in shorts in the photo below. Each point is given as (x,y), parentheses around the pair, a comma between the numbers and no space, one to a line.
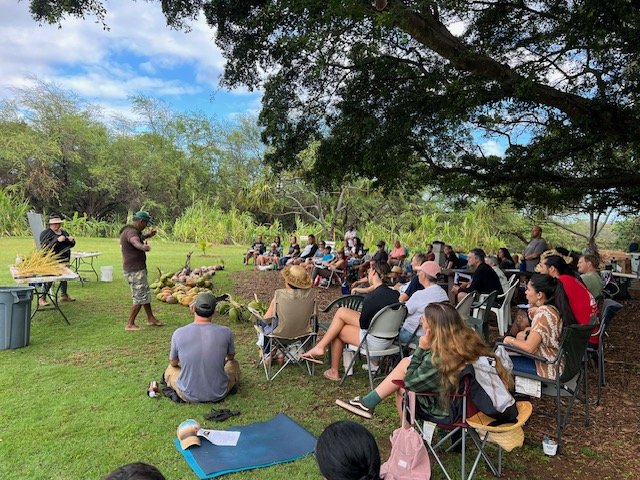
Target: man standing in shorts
(134,256)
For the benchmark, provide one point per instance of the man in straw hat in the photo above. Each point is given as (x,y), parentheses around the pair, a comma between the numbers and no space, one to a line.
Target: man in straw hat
(202,365)
(134,254)
(61,243)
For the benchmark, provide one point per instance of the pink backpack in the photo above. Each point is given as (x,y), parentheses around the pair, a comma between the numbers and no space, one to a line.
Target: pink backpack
(409,459)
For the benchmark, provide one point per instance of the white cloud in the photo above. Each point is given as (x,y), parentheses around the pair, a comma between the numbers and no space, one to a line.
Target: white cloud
(138,54)
(491,147)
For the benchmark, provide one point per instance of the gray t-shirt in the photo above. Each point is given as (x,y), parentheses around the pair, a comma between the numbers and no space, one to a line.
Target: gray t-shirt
(536,247)
(201,349)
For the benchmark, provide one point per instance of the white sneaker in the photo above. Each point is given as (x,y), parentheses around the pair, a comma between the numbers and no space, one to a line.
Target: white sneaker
(371,366)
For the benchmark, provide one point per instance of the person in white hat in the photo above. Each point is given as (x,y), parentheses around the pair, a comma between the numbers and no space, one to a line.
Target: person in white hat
(60,242)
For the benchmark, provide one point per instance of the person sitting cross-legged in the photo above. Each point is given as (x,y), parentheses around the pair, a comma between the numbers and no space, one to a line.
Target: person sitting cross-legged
(349,326)
(202,365)
(446,348)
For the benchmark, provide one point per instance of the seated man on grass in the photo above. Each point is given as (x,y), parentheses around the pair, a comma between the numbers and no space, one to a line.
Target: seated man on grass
(202,367)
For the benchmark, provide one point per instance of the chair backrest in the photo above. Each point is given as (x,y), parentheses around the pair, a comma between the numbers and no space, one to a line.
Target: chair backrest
(387,322)
(574,344)
(294,310)
(353,302)
(37,226)
(508,295)
(464,305)
(609,309)
(487,303)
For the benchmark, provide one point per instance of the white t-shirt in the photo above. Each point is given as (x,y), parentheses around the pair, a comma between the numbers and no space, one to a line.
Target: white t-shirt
(417,303)
(349,236)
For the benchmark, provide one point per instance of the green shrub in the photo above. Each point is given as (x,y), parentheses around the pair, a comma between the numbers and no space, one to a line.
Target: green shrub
(13,214)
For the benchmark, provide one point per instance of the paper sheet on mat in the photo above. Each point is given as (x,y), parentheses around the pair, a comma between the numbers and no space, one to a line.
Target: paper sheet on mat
(221,438)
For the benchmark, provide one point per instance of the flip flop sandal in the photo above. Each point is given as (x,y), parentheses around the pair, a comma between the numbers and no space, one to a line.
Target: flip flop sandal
(220,415)
(309,358)
(326,375)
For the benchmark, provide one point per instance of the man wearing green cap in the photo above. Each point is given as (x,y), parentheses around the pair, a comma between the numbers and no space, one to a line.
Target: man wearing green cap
(134,247)
(202,367)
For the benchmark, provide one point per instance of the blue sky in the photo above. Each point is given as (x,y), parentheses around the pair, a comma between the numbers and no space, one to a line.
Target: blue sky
(138,55)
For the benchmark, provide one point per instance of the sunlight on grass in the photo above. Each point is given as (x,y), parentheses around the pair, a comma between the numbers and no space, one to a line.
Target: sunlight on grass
(74,402)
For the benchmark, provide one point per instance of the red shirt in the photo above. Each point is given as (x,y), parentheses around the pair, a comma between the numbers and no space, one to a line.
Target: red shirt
(582,303)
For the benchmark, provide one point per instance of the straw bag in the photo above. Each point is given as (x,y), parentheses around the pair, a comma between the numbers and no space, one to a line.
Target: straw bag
(409,459)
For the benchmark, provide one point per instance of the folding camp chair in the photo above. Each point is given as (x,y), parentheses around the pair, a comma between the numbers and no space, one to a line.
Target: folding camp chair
(503,312)
(354,302)
(466,421)
(385,324)
(609,309)
(572,353)
(480,319)
(335,277)
(295,332)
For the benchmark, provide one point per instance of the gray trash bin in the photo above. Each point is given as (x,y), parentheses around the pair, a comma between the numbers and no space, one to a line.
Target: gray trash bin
(15,316)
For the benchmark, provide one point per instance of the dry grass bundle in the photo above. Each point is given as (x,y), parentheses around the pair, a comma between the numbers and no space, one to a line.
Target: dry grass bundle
(41,262)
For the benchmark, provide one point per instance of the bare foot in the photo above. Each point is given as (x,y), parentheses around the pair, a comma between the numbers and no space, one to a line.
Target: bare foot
(132,328)
(315,352)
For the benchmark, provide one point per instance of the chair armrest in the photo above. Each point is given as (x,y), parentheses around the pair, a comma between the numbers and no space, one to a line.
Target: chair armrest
(519,351)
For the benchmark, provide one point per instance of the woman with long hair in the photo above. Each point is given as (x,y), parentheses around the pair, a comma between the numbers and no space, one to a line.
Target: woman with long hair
(505,258)
(583,304)
(350,326)
(446,348)
(550,311)
(347,451)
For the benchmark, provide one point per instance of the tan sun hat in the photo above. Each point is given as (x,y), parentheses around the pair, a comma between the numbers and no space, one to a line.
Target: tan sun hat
(509,435)
(297,276)
(551,253)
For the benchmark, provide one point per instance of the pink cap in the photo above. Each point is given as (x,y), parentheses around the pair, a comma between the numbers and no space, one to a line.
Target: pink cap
(431,268)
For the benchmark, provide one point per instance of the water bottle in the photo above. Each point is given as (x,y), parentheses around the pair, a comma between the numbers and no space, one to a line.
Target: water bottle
(346,290)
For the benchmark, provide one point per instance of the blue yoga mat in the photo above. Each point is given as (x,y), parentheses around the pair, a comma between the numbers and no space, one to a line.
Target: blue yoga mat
(261,444)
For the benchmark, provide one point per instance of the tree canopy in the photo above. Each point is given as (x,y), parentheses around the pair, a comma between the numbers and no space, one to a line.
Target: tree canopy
(402,92)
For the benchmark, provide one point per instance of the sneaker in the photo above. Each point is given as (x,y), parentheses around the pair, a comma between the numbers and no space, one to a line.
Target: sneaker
(371,366)
(67,298)
(356,406)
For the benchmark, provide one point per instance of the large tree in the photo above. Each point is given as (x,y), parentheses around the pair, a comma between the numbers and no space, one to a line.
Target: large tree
(403,91)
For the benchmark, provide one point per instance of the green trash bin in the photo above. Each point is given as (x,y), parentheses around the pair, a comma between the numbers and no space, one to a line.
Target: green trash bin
(15,316)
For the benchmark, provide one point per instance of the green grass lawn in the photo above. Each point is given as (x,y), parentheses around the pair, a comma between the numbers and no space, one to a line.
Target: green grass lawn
(73,403)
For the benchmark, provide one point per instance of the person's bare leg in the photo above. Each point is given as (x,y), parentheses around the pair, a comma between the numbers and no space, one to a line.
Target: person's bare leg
(343,316)
(131,323)
(151,319)
(348,334)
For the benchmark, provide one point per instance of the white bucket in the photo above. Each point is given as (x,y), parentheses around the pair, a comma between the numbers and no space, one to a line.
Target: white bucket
(549,447)
(106,274)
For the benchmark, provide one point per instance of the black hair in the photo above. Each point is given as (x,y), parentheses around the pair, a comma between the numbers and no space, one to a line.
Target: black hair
(347,451)
(559,263)
(382,269)
(327,247)
(554,292)
(478,252)
(135,471)
(506,253)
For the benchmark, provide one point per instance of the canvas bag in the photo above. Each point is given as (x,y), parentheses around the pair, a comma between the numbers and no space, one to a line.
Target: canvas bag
(409,459)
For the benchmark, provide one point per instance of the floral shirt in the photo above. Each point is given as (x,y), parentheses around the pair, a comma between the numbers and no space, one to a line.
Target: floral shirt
(546,323)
